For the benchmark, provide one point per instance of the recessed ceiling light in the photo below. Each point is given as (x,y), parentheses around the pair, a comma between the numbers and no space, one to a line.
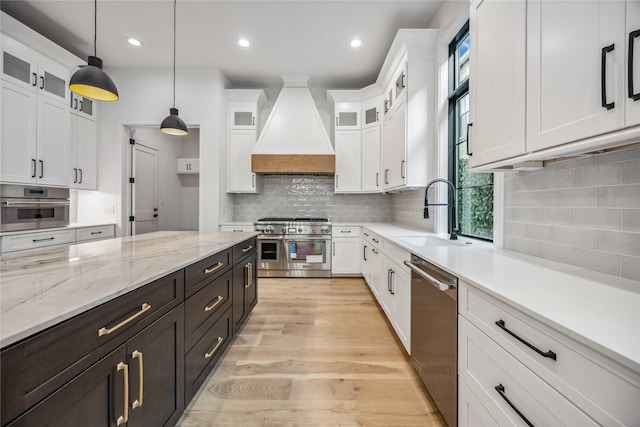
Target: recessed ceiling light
(356,43)
(134,42)
(244,42)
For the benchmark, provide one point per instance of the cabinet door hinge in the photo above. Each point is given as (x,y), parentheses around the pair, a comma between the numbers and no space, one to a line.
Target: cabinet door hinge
(132,180)
(132,218)
(132,141)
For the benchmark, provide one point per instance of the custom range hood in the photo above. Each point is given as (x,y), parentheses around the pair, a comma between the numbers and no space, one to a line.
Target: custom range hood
(294,139)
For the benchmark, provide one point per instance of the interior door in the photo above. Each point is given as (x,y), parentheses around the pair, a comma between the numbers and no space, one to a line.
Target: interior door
(145,189)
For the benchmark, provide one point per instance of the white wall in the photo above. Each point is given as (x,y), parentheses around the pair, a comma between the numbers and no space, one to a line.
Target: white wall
(145,99)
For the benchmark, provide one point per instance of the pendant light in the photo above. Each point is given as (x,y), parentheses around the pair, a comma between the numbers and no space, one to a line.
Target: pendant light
(173,124)
(91,81)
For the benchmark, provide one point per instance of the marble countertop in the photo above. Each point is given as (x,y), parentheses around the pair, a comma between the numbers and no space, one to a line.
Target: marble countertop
(599,310)
(45,287)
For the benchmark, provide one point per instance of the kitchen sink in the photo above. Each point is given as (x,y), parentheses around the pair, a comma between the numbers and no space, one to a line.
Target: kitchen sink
(427,241)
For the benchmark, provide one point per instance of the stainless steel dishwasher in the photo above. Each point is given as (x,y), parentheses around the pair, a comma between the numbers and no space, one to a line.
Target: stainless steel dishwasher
(434,333)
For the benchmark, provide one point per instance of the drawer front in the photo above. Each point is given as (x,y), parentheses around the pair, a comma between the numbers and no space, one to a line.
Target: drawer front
(339,231)
(244,249)
(584,377)
(485,367)
(201,359)
(37,240)
(49,359)
(397,255)
(95,233)
(205,306)
(198,275)
(373,238)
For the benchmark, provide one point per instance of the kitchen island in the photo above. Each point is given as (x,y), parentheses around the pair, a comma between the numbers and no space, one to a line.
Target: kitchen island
(81,318)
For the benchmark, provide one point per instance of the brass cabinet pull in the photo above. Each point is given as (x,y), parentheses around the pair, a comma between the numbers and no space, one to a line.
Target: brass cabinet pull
(218,301)
(246,280)
(125,411)
(214,268)
(212,352)
(248,248)
(250,273)
(138,402)
(106,331)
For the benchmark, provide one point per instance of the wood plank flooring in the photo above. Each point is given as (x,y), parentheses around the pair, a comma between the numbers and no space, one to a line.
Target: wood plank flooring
(314,352)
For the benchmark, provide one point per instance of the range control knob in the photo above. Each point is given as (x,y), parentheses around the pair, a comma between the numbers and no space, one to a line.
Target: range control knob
(324,231)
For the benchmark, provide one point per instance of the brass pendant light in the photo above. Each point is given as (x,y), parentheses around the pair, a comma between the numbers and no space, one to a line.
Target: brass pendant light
(173,124)
(91,81)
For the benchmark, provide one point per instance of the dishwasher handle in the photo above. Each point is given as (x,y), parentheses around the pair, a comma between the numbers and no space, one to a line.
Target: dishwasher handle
(435,282)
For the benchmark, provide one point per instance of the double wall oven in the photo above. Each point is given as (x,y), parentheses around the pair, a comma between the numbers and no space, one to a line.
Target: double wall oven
(30,207)
(294,247)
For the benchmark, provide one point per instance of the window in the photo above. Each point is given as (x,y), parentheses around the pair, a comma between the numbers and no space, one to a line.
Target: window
(474,204)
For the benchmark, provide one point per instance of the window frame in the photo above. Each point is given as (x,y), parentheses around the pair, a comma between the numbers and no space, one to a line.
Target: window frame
(454,95)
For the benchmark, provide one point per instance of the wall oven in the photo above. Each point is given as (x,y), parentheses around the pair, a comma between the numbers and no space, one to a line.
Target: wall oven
(294,247)
(29,207)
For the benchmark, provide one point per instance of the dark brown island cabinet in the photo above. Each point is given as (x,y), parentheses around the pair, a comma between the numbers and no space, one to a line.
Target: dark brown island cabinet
(137,360)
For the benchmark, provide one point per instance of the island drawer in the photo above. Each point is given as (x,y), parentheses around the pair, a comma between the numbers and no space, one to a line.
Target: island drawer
(200,274)
(243,249)
(504,386)
(205,306)
(37,366)
(585,377)
(201,359)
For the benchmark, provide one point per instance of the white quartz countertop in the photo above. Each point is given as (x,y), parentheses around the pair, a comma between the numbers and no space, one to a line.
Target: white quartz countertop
(43,288)
(596,309)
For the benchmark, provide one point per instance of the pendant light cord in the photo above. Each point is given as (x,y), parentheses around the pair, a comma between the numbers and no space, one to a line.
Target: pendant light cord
(95,27)
(174,52)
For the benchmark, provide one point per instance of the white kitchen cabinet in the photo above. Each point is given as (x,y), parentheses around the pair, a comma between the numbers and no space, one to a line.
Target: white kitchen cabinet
(632,82)
(371,112)
(348,175)
(370,159)
(347,115)
(38,239)
(243,107)
(29,69)
(345,250)
(471,413)
(398,168)
(92,234)
(240,145)
(35,117)
(497,83)
(82,106)
(499,343)
(188,166)
(569,95)
(401,322)
(84,149)
(387,150)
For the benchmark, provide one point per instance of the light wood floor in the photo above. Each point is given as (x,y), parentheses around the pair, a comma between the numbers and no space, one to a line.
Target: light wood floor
(314,352)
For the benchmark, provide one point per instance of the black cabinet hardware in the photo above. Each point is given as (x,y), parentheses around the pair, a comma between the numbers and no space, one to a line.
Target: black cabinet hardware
(402,166)
(501,392)
(43,240)
(75,175)
(603,77)
(469,153)
(80,181)
(35,80)
(41,169)
(377,179)
(632,37)
(392,283)
(550,354)
(364,252)
(41,82)
(33,163)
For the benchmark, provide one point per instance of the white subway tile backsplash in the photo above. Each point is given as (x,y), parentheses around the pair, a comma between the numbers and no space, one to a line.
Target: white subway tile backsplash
(618,242)
(631,268)
(597,261)
(620,196)
(631,220)
(556,216)
(631,172)
(575,237)
(558,253)
(595,221)
(602,219)
(610,174)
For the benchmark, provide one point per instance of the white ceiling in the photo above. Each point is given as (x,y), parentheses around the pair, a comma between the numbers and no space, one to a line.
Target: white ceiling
(288,37)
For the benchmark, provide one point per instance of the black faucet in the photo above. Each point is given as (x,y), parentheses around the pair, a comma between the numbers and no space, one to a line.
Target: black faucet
(451,203)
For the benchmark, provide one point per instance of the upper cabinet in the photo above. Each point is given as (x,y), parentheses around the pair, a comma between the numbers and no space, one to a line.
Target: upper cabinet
(347,115)
(496,81)
(35,145)
(552,78)
(370,142)
(243,107)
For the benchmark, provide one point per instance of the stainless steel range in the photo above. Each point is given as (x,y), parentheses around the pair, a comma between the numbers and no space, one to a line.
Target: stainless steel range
(294,247)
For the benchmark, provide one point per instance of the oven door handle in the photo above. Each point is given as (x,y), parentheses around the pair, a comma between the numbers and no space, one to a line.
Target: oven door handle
(270,237)
(28,203)
(303,238)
